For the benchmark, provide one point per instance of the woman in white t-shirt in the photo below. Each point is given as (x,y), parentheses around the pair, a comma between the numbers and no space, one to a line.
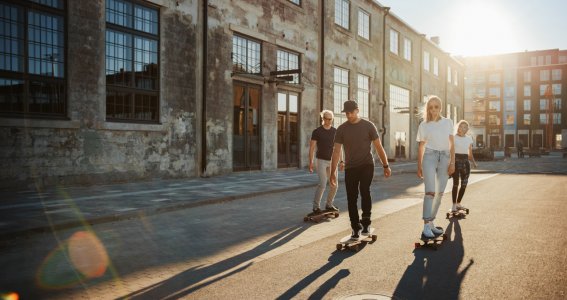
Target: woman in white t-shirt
(463,153)
(435,160)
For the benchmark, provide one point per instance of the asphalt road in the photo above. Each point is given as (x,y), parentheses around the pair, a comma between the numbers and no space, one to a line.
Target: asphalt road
(511,246)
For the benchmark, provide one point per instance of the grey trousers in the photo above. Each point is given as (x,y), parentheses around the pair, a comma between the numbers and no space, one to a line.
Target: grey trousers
(324,172)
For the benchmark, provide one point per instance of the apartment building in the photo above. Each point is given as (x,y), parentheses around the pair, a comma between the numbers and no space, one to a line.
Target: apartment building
(517,97)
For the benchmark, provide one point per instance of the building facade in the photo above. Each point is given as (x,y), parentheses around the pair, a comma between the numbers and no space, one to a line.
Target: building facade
(518,97)
(119,90)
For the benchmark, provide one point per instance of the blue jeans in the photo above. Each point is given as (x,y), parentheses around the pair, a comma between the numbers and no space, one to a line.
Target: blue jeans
(435,164)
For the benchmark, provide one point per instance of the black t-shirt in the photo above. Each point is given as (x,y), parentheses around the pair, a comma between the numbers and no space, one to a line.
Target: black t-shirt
(357,142)
(325,140)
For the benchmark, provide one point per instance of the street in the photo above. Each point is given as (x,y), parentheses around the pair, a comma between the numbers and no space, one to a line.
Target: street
(511,246)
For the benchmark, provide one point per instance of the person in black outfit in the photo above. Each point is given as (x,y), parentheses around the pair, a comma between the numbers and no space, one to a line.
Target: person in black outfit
(356,136)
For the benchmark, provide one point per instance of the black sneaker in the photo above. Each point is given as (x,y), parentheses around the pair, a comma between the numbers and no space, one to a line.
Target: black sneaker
(365,230)
(331,208)
(365,226)
(355,231)
(314,212)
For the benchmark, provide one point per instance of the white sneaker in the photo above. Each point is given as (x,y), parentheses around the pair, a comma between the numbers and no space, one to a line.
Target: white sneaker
(454,208)
(460,207)
(434,229)
(427,231)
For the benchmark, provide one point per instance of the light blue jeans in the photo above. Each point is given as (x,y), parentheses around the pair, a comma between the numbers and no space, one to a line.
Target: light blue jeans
(435,164)
(324,172)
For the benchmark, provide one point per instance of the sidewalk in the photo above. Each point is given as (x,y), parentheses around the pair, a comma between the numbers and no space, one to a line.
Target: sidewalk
(25,212)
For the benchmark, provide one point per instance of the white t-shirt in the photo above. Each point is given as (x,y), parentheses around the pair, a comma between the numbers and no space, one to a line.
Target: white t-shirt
(436,134)
(462,144)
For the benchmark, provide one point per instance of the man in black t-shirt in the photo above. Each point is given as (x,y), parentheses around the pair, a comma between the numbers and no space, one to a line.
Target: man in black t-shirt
(356,136)
(322,139)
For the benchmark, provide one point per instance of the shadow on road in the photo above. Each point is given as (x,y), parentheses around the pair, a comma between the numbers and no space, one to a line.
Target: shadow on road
(334,260)
(196,278)
(435,274)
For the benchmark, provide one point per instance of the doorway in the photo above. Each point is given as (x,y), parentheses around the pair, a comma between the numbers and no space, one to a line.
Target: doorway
(288,129)
(246,127)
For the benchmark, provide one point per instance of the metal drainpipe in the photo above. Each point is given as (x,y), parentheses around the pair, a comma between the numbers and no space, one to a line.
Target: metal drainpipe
(322,59)
(386,12)
(204,91)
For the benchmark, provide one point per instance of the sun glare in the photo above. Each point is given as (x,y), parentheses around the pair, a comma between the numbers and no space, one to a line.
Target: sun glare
(481,28)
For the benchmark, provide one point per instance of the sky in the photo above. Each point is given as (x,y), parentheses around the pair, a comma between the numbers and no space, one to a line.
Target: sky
(487,27)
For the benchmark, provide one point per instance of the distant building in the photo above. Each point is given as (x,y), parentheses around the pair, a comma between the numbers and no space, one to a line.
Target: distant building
(517,97)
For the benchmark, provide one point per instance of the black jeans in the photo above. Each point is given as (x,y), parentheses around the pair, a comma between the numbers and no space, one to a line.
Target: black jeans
(359,178)
(462,171)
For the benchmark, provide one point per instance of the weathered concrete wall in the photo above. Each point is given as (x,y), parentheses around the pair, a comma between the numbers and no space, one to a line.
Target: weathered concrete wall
(86,149)
(274,24)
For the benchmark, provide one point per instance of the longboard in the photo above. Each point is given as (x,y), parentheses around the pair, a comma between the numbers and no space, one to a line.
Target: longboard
(354,244)
(461,213)
(433,242)
(323,215)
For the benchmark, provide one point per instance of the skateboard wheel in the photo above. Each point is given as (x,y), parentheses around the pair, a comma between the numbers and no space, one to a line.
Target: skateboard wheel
(336,215)
(467,210)
(374,237)
(448,214)
(444,236)
(416,245)
(339,247)
(305,219)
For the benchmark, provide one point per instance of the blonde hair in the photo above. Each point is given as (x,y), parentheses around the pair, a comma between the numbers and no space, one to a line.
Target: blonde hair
(425,112)
(326,111)
(459,124)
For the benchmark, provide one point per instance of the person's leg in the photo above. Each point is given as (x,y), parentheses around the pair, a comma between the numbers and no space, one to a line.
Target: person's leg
(351,184)
(429,165)
(455,190)
(465,173)
(441,182)
(332,189)
(322,183)
(366,176)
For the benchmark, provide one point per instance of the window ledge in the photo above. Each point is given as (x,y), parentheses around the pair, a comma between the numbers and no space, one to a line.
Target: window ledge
(109,125)
(39,123)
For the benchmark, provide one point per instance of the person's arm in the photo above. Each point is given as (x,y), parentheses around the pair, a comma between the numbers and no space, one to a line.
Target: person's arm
(451,168)
(383,157)
(312,145)
(420,151)
(337,150)
(471,157)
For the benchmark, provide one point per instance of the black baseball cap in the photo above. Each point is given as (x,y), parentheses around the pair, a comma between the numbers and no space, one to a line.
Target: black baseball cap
(350,106)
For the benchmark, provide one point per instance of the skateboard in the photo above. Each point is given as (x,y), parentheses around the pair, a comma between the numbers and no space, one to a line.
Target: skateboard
(324,214)
(354,244)
(461,213)
(433,242)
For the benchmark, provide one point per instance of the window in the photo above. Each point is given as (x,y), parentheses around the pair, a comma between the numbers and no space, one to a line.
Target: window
(246,55)
(435,66)
(543,104)
(527,90)
(426,61)
(494,78)
(527,105)
(556,118)
(533,61)
(456,78)
(362,95)
(340,90)
(556,87)
(132,64)
(527,119)
(399,99)
(407,49)
(543,118)
(548,59)
(509,105)
(32,59)
(493,120)
(544,75)
(342,13)
(543,89)
(449,74)
(296,2)
(556,74)
(494,92)
(557,103)
(527,76)
(509,119)
(363,24)
(288,61)
(494,106)
(393,41)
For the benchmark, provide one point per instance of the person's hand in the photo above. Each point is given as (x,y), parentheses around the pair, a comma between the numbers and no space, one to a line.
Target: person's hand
(387,172)
(310,167)
(474,164)
(333,180)
(451,169)
(420,172)
(342,166)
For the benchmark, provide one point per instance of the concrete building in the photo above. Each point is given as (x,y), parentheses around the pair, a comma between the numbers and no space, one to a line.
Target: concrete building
(518,97)
(118,90)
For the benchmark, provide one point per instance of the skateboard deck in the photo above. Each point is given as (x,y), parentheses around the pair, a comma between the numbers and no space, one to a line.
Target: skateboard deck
(461,213)
(321,216)
(354,244)
(433,242)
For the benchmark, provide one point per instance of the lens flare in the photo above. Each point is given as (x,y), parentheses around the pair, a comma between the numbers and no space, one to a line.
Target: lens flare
(9,296)
(87,254)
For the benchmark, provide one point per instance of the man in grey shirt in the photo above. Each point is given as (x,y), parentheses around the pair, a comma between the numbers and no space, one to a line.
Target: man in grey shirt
(356,136)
